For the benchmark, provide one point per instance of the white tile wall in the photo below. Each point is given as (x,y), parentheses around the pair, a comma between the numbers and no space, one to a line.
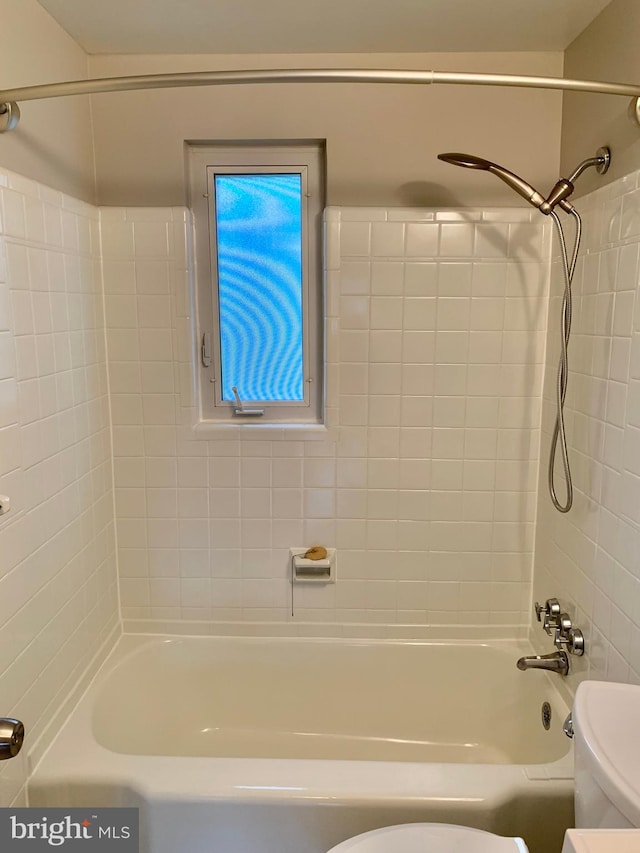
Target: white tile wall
(425,480)
(590,558)
(58,584)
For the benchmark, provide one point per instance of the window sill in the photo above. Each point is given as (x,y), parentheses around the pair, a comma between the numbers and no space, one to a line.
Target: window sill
(271,432)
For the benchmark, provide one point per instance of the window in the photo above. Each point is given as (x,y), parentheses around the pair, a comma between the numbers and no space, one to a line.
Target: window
(258,220)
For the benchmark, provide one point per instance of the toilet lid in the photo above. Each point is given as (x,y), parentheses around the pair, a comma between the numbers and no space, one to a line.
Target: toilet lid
(430,838)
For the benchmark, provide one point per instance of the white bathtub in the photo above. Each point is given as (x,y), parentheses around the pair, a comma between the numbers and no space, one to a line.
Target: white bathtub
(251,745)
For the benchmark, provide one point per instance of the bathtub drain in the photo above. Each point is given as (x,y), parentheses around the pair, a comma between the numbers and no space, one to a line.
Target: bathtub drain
(546,715)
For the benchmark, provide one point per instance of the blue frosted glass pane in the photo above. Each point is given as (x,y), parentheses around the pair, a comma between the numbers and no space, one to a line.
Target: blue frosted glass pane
(259,236)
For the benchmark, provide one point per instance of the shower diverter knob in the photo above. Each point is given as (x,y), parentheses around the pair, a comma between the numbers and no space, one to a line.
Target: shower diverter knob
(11,737)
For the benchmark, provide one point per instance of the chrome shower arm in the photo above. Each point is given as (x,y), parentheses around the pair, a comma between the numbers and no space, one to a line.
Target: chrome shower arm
(601,161)
(565,186)
(586,164)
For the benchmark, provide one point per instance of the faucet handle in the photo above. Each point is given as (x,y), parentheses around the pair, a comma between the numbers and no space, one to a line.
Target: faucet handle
(575,646)
(568,636)
(551,611)
(573,641)
(562,628)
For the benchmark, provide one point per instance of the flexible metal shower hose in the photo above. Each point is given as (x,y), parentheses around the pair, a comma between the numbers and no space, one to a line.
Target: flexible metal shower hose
(569,268)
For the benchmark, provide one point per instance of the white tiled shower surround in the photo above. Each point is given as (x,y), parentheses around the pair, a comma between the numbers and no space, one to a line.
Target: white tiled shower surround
(425,480)
(590,558)
(58,583)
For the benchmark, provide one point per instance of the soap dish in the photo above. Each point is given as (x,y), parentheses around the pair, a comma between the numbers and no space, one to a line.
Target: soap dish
(312,571)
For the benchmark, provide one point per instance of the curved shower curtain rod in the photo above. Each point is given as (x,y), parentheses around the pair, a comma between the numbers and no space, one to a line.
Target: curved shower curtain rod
(9,98)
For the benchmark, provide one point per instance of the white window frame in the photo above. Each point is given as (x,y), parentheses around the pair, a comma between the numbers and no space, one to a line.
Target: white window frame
(205,161)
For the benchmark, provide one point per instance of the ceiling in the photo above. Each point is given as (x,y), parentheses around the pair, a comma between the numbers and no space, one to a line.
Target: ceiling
(322,26)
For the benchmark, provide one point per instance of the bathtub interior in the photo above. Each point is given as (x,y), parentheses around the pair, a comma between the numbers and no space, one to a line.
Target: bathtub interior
(457,702)
(220,742)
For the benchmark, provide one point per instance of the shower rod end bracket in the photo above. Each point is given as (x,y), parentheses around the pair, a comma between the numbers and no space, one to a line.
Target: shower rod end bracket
(9,116)
(634,110)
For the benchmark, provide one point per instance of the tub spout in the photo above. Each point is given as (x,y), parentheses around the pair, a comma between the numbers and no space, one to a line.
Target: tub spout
(554,662)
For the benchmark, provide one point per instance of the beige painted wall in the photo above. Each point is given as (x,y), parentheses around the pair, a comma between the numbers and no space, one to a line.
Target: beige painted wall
(382,141)
(53,143)
(606,50)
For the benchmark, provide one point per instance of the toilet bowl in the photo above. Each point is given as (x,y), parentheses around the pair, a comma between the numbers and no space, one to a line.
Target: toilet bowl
(430,838)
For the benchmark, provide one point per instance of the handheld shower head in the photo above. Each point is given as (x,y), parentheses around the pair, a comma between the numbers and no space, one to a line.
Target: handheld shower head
(470,161)
(558,196)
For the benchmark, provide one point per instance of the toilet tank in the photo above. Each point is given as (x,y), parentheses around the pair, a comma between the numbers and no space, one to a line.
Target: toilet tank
(607,755)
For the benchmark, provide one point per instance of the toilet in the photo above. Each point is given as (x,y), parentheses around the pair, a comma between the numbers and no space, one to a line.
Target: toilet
(607,783)
(430,838)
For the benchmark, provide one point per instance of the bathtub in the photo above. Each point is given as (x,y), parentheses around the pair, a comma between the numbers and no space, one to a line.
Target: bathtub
(266,745)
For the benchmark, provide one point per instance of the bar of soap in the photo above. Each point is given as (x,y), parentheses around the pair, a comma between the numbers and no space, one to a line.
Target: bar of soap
(318,552)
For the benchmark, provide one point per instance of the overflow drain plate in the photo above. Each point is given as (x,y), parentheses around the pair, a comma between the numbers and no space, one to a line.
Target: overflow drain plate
(545,713)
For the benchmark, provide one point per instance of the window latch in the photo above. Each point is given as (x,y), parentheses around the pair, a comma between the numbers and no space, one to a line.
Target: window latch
(240,408)
(205,350)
